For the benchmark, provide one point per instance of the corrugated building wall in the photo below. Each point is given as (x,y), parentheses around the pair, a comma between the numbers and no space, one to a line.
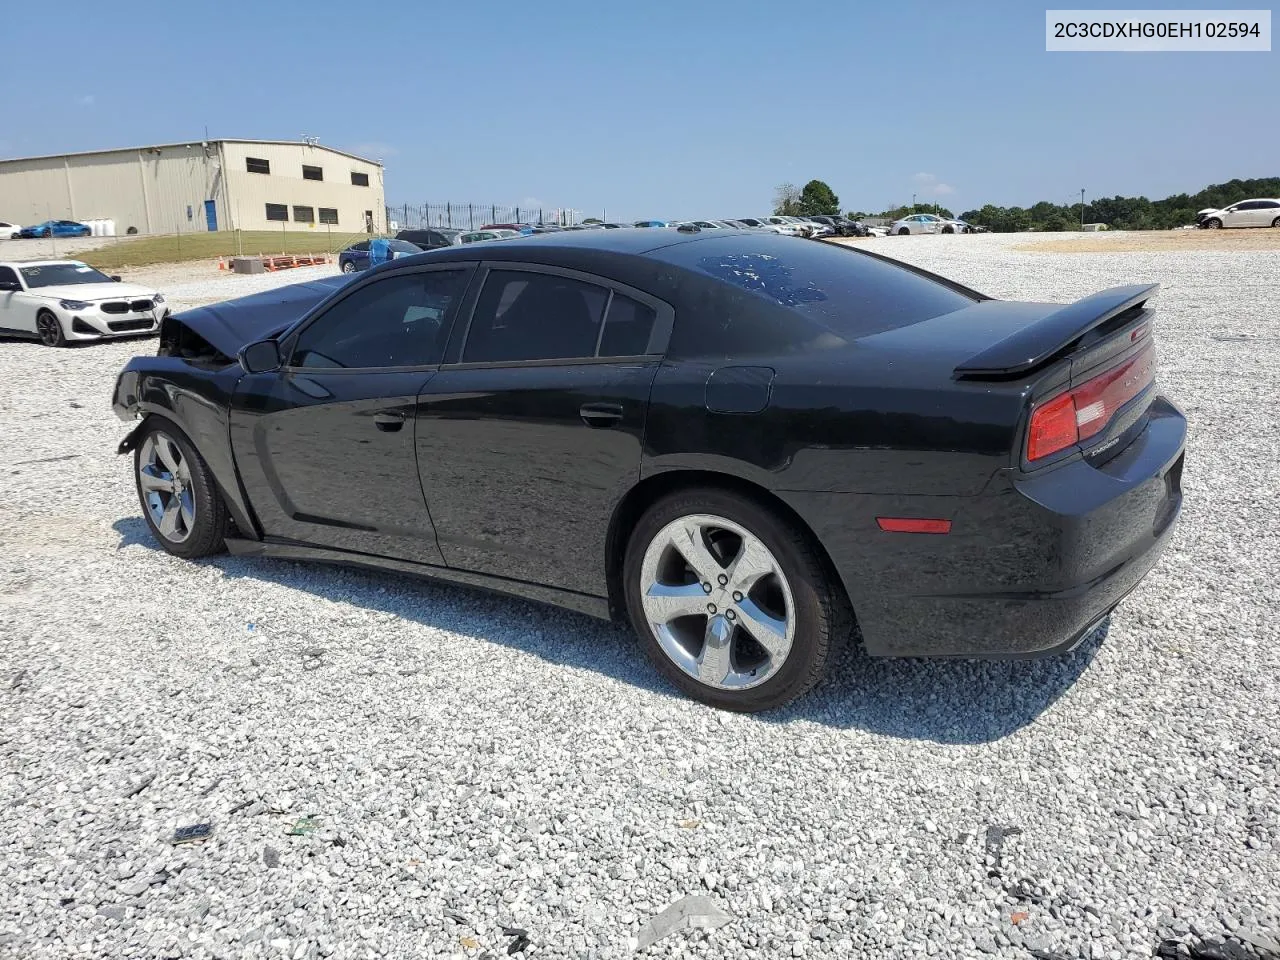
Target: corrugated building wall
(163,189)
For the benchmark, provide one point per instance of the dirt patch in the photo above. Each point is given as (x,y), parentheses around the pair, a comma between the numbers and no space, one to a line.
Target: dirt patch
(1159,241)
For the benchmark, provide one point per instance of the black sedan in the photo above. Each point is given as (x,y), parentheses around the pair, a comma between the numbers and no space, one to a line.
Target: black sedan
(745,443)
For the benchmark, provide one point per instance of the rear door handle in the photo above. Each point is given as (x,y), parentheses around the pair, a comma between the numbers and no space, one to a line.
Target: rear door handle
(388,422)
(600,414)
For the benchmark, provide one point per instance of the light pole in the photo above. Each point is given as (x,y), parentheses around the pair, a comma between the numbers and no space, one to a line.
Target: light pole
(913,203)
(1082,209)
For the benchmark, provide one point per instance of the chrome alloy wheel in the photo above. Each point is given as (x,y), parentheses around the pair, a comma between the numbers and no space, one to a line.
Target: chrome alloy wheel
(164,478)
(718,602)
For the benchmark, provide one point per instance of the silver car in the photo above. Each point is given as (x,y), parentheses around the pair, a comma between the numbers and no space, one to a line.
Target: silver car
(917,223)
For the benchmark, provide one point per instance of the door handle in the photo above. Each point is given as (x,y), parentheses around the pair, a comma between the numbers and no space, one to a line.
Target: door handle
(600,414)
(388,422)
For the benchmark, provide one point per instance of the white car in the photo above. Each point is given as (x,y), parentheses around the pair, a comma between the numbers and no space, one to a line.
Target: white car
(59,301)
(1246,213)
(873,231)
(785,225)
(762,223)
(9,231)
(819,229)
(917,223)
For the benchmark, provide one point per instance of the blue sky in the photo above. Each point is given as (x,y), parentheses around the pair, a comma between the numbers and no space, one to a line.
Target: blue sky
(655,109)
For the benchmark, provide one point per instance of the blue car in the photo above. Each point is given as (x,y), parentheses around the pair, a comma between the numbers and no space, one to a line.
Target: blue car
(55,228)
(358,256)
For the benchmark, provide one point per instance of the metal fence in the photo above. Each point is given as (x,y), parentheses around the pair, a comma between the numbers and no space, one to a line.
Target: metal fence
(473,216)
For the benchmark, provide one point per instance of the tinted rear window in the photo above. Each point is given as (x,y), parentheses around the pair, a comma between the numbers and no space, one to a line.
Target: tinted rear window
(843,294)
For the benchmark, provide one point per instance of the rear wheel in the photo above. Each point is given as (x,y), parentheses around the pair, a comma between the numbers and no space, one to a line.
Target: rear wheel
(731,603)
(180,502)
(50,329)
(1276,222)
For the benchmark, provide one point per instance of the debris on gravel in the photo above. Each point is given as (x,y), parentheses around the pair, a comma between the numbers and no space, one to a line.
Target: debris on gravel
(532,771)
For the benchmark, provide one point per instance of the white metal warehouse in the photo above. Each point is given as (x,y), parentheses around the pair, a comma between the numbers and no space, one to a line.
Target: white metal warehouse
(198,186)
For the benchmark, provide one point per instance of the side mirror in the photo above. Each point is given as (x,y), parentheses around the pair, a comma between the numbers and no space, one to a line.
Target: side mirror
(9,286)
(260,357)
(115,278)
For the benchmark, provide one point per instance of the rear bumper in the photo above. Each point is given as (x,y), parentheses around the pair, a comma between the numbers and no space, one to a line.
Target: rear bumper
(1030,566)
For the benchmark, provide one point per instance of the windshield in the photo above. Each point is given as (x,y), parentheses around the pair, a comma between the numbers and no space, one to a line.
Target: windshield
(61,274)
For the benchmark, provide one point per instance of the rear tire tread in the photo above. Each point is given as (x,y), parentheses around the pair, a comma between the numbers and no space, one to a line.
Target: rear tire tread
(813,580)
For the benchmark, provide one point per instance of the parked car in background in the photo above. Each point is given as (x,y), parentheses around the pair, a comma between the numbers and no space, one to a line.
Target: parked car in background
(839,225)
(518,456)
(60,301)
(10,231)
(952,225)
(615,226)
(357,256)
(785,225)
(759,223)
(917,223)
(482,235)
(523,228)
(819,227)
(875,231)
(655,223)
(55,228)
(1246,213)
(703,224)
(431,238)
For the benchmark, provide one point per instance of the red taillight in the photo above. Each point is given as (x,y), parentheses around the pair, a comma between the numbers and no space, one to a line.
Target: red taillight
(913,525)
(1086,410)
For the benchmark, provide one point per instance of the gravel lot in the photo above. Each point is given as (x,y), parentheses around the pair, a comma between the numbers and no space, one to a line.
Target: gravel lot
(477,762)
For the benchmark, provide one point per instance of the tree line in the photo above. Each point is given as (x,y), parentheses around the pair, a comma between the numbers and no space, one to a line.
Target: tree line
(1119,213)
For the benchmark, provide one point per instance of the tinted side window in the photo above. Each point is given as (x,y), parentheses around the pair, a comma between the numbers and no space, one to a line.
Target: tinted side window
(627,328)
(8,275)
(362,246)
(534,316)
(396,322)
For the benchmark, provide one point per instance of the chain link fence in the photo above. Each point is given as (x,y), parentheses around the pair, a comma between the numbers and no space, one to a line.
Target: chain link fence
(473,216)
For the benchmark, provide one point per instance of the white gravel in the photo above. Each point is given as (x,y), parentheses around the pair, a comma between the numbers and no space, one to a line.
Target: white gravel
(477,762)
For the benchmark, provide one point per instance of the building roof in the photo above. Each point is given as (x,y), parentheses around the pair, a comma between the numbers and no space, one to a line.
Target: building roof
(192,143)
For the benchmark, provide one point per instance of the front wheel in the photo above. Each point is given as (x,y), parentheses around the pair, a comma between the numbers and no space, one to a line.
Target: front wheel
(731,603)
(50,330)
(348,267)
(180,502)
(904,232)
(1213,223)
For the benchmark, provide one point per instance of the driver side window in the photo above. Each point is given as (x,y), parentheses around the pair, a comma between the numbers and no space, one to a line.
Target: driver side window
(398,321)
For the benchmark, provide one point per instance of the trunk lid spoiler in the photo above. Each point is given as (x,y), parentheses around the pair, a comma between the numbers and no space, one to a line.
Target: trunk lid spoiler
(1040,341)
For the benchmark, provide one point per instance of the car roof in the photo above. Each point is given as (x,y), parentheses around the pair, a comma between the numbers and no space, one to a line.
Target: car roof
(44,263)
(631,240)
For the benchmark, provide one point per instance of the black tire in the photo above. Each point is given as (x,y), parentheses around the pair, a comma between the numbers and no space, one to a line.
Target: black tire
(904,232)
(348,267)
(1275,224)
(1213,223)
(50,330)
(212,521)
(948,229)
(822,616)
